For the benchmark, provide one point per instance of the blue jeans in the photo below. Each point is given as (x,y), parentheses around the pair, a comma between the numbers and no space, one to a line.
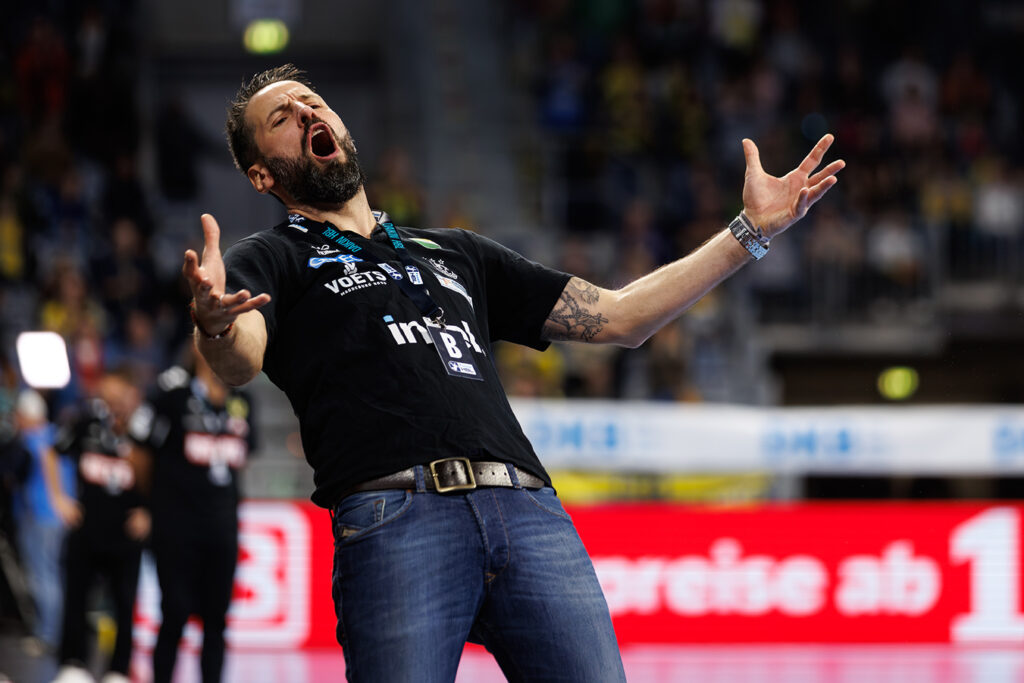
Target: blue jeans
(41,544)
(417,574)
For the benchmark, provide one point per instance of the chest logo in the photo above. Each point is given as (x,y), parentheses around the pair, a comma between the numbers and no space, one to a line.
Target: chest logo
(395,275)
(354,281)
(440,267)
(113,474)
(318,261)
(325,250)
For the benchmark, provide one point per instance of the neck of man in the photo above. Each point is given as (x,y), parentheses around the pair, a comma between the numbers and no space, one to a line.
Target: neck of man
(354,215)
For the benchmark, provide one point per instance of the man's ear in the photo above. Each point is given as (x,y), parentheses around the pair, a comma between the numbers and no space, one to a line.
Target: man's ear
(259,176)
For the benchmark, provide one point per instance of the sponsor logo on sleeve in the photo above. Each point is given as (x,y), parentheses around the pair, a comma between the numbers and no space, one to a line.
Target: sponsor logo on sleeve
(451,284)
(440,267)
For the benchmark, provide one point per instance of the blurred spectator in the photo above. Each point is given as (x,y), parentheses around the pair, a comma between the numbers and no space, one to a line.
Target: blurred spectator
(91,40)
(125,196)
(563,87)
(42,68)
(197,434)
(735,24)
(590,370)
(835,263)
(641,247)
(792,56)
(624,92)
(46,155)
(396,191)
(15,461)
(107,543)
(910,75)
(138,348)
(180,146)
(685,120)
(528,373)
(896,257)
(999,216)
(124,273)
(659,370)
(999,201)
(13,242)
(67,302)
(13,457)
(43,507)
(966,89)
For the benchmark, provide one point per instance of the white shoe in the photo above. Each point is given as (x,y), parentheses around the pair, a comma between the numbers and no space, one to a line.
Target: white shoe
(73,674)
(114,677)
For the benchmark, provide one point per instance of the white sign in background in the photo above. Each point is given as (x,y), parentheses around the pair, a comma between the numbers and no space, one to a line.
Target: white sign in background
(667,437)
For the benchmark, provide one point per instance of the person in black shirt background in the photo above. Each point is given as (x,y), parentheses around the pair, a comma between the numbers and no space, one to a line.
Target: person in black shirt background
(446,526)
(198,434)
(108,541)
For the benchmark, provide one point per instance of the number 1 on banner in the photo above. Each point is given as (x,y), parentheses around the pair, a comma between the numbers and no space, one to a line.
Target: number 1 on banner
(990,541)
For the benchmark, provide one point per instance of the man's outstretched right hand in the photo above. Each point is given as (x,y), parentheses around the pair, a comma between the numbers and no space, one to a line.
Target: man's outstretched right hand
(215,311)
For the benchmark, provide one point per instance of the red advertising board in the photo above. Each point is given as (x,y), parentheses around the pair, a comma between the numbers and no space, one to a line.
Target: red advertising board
(804,573)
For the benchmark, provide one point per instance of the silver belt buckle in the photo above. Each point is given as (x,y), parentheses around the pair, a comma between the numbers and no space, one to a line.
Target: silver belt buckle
(453,487)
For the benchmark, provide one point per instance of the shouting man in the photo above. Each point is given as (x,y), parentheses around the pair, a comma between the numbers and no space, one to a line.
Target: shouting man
(445,523)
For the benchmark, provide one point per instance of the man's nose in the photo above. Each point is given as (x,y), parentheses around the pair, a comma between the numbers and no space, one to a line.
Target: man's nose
(304,113)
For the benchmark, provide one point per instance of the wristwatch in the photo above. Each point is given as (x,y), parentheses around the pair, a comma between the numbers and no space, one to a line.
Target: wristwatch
(752,239)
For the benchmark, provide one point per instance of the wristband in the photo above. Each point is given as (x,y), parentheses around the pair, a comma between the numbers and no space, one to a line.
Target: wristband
(752,239)
(195,321)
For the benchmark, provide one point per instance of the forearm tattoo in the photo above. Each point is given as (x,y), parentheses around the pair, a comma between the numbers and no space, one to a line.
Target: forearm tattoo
(574,317)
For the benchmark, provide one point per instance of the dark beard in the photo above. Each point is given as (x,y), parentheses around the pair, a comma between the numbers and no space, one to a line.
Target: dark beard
(313,185)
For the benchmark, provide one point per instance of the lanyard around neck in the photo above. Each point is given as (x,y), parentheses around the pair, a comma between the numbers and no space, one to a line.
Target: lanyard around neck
(411,283)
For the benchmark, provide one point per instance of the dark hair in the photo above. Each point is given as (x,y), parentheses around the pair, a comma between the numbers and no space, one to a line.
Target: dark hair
(241,141)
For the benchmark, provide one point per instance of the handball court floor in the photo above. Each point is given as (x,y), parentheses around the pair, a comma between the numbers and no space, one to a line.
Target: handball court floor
(661,664)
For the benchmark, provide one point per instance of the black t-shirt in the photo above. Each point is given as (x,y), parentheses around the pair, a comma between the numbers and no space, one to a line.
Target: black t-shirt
(106,478)
(198,448)
(351,350)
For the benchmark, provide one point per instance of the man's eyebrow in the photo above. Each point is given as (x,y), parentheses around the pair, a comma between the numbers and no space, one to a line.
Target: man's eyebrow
(284,104)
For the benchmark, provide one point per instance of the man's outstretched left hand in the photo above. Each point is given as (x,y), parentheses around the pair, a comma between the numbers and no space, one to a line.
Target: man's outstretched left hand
(773,204)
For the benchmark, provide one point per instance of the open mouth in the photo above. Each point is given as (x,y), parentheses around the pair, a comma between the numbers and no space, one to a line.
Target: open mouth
(321,142)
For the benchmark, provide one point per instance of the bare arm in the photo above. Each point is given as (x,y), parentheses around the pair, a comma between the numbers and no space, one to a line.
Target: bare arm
(65,506)
(236,355)
(629,316)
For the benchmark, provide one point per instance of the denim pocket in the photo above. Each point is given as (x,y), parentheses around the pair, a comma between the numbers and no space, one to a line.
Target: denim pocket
(363,512)
(546,500)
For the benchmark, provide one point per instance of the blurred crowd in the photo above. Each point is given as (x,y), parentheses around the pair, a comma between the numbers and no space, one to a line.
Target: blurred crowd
(88,250)
(640,106)
(646,102)
(643,103)
(77,224)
